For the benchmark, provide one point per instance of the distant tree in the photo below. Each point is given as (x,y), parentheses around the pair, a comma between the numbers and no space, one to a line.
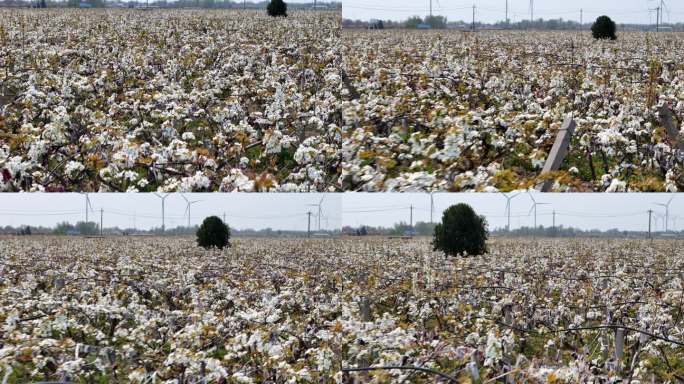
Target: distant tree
(461,232)
(436,22)
(424,229)
(213,233)
(63,228)
(277,8)
(413,21)
(604,28)
(87,228)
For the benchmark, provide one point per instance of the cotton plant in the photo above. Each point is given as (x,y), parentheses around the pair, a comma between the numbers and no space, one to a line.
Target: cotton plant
(199,107)
(517,101)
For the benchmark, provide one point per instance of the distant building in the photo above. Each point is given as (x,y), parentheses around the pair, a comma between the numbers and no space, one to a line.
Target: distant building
(424,26)
(84,5)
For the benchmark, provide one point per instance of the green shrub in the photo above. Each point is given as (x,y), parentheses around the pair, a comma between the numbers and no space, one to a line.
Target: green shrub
(277,8)
(462,232)
(604,28)
(213,233)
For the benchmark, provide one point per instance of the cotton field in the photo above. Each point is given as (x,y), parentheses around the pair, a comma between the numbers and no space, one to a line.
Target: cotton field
(134,100)
(162,310)
(460,111)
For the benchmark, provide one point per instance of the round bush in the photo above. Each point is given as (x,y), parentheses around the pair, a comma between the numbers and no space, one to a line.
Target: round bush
(213,233)
(461,232)
(277,8)
(604,28)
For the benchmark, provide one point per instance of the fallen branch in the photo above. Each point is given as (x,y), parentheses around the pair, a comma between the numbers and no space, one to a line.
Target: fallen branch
(404,367)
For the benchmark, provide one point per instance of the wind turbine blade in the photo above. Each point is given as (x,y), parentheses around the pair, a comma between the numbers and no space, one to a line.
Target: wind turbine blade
(321,202)
(184,198)
(531,208)
(532,197)
(672,198)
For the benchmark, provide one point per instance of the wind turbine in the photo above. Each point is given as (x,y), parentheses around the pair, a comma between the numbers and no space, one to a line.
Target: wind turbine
(508,209)
(162,201)
(320,211)
(87,205)
(534,207)
(189,204)
(667,211)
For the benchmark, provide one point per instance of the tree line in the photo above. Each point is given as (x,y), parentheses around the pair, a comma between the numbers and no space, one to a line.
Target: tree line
(440,22)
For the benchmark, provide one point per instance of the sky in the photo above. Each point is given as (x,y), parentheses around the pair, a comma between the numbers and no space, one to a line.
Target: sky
(289,211)
(143,211)
(580,210)
(622,11)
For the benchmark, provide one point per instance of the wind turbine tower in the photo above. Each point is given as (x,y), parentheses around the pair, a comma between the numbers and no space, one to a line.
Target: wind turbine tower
(163,198)
(187,208)
(667,212)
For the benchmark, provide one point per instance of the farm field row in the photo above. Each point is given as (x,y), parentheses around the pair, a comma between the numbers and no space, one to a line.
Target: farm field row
(130,100)
(278,310)
(460,111)
(170,100)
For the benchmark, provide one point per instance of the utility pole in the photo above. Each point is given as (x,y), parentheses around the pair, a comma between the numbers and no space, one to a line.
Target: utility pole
(650,212)
(432,207)
(531,12)
(411,220)
(430,9)
(581,18)
(101,214)
(554,222)
(308,224)
(507,20)
(224,216)
(473,26)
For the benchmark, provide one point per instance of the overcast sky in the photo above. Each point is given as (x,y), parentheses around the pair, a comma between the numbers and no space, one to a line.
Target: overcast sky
(580,210)
(288,211)
(143,211)
(622,11)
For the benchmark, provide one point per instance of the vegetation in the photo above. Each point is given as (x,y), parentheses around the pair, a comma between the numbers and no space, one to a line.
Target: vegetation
(281,102)
(435,22)
(146,309)
(427,128)
(462,232)
(604,28)
(277,8)
(80,228)
(213,233)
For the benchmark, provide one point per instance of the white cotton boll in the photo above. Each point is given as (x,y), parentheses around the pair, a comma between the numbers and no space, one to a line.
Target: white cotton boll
(237,181)
(72,168)
(617,186)
(188,136)
(198,181)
